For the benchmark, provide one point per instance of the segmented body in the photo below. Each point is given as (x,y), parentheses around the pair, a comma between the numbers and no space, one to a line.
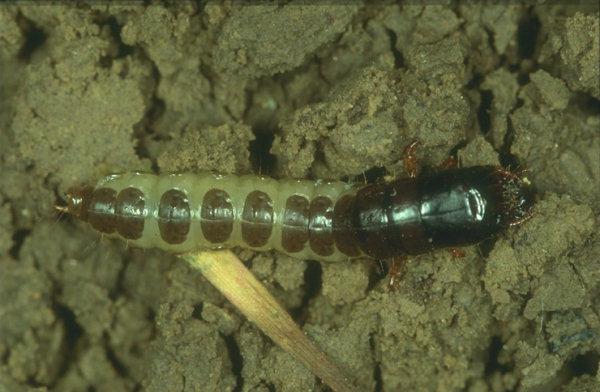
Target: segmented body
(322,220)
(185,212)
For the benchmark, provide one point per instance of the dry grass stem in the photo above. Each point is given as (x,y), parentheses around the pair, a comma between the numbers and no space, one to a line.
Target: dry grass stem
(231,277)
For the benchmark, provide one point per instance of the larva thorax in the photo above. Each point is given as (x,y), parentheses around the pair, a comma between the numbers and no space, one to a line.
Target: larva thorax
(186,212)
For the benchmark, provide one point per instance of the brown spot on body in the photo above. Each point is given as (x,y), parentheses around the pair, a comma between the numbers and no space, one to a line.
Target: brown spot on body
(130,213)
(101,210)
(174,216)
(320,226)
(343,231)
(257,219)
(294,232)
(216,216)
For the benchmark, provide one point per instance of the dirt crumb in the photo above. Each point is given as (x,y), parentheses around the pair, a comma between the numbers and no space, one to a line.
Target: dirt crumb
(345,284)
(503,86)
(254,40)
(6,241)
(220,149)
(188,353)
(574,49)
(553,91)
(261,362)
(478,152)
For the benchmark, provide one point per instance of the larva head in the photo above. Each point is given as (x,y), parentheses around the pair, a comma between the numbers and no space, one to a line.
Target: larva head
(518,197)
(77,200)
(464,206)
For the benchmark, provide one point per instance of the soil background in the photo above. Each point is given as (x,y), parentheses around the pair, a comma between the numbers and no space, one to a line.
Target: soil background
(334,90)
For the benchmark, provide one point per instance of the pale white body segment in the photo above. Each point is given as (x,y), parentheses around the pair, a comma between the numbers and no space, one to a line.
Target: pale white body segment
(195,187)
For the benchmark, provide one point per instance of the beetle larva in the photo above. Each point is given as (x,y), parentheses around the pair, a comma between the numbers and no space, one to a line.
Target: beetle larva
(322,220)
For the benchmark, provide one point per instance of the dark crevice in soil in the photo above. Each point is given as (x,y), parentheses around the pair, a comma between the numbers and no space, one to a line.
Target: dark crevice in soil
(73,329)
(378,271)
(18,239)
(151,316)
(527,45)
(475,81)
(508,159)
(116,363)
(117,289)
(523,79)
(398,58)
(237,362)
(319,156)
(212,77)
(492,365)
(157,108)
(527,36)
(378,379)
(453,153)
(155,111)
(137,388)
(483,112)
(377,370)
(35,38)
(588,104)
(263,162)
(485,247)
(583,364)
(373,175)
(33,383)
(490,38)
(200,5)
(122,50)
(271,387)
(197,312)
(73,333)
(313,279)
(593,105)
(512,67)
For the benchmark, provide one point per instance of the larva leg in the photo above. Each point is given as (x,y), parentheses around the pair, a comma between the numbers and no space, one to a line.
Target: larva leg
(449,163)
(457,253)
(410,159)
(396,267)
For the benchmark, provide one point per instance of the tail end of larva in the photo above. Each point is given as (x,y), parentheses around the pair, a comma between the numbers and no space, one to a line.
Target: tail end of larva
(75,202)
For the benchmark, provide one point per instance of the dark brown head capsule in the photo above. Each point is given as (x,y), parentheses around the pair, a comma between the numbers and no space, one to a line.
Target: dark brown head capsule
(518,196)
(445,209)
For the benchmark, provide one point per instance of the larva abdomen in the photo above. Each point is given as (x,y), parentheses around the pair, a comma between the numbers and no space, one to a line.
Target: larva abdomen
(186,212)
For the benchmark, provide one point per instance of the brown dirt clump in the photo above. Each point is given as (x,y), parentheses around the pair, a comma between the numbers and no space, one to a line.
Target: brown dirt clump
(300,90)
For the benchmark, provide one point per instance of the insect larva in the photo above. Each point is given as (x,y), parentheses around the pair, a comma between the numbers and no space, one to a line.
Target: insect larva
(322,220)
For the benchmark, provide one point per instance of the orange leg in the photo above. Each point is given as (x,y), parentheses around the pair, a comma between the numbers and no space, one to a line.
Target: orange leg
(449,163)
(456,253)
(410,159)
(395,272)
